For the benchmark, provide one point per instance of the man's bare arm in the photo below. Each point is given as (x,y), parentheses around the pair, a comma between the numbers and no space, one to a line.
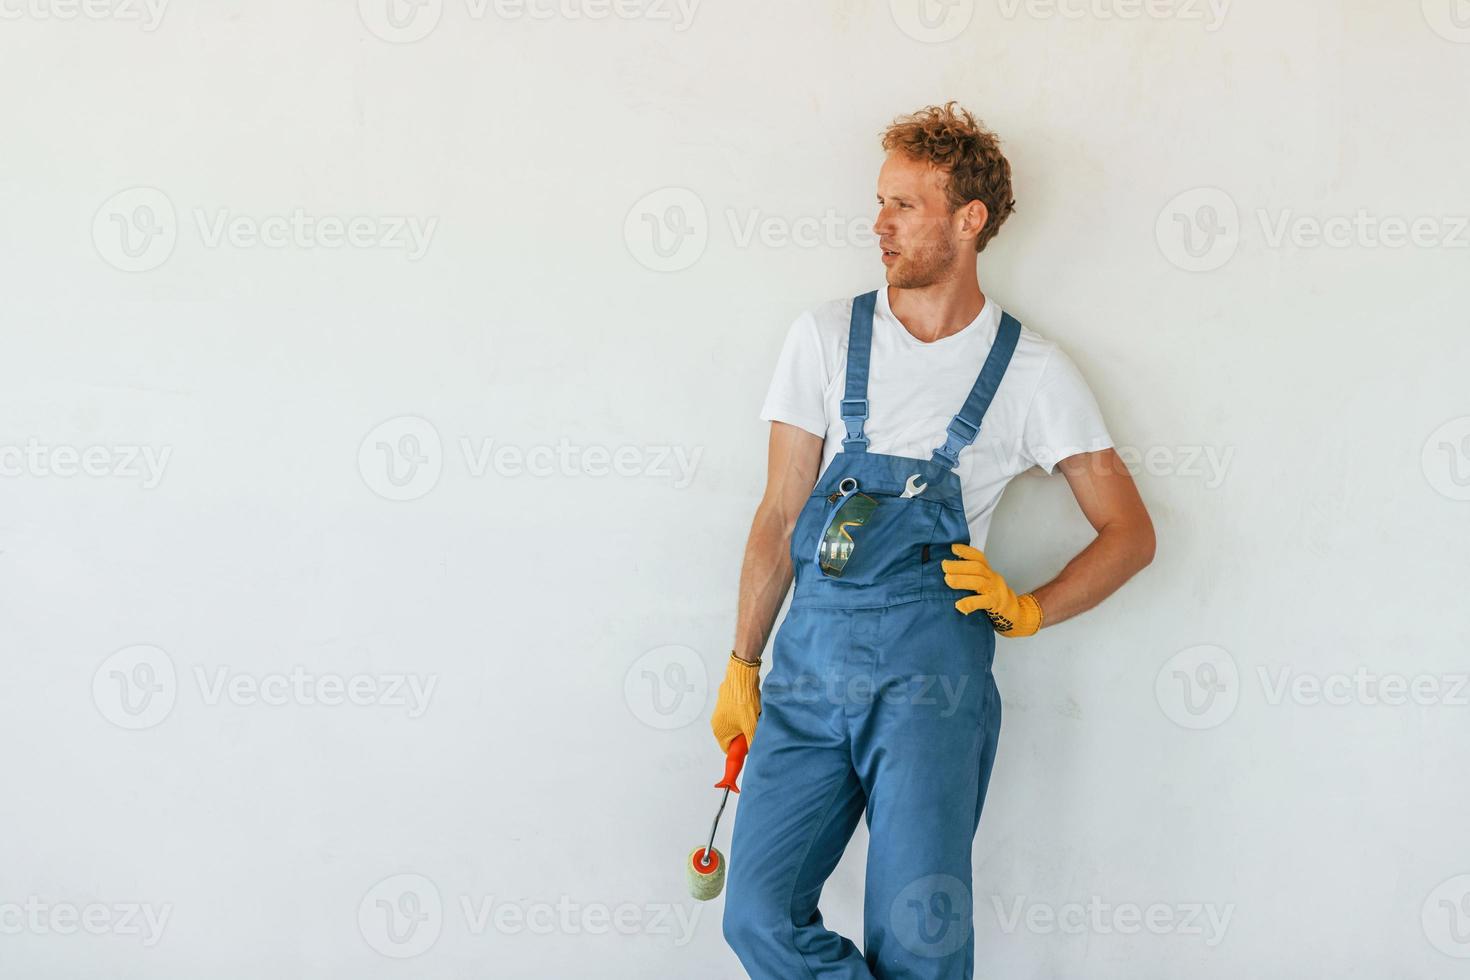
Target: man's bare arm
(791,471)
(1125,536)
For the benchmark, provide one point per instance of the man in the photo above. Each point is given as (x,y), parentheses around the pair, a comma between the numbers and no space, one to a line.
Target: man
(882,480)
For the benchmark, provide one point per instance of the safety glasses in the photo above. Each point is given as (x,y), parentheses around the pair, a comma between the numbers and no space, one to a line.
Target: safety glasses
(837,546)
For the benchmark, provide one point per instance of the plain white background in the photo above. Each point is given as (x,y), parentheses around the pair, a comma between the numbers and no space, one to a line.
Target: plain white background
(378,421)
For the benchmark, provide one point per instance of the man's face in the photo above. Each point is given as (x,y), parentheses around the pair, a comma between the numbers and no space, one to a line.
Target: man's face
(917,232)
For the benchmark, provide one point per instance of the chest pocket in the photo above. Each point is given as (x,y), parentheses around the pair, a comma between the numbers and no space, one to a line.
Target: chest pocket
(887,547)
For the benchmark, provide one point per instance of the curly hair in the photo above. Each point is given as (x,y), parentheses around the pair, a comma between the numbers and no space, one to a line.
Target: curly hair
(952,140)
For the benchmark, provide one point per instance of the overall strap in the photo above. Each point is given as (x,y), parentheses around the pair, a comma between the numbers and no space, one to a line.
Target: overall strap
(854,407)
(966,425)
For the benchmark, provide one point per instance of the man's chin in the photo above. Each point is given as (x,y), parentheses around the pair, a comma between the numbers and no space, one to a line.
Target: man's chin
(900,278)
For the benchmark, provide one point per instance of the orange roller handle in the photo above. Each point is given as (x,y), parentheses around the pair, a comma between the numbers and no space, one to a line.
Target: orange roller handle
(734,762)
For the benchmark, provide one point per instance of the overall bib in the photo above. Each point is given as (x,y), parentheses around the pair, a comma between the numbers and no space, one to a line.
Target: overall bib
(880,699)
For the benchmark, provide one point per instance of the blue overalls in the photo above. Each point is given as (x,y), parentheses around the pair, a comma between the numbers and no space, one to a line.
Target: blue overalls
(880,697)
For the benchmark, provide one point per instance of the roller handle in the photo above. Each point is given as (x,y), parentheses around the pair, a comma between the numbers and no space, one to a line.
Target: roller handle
(734,762)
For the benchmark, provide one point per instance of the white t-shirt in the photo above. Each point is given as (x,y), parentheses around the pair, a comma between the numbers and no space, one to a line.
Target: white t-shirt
(1042,412)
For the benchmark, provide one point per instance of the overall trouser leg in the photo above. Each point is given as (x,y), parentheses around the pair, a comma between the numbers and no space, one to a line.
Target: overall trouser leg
(923,753)
(799,804)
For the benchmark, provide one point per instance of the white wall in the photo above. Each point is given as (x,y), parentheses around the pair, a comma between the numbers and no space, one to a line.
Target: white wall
(1304,407)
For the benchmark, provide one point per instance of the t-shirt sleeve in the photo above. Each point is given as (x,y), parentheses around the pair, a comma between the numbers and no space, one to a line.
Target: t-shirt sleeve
(1063,419)
(798,388)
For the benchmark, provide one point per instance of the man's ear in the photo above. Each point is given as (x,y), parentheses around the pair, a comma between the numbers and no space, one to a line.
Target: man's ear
(976,216)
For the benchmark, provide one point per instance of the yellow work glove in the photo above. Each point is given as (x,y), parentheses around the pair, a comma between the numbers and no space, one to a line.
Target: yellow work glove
(738,704)
(1010,614)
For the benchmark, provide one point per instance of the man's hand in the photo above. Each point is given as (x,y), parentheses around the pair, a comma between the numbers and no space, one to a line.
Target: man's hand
(738,704)
(1010,614)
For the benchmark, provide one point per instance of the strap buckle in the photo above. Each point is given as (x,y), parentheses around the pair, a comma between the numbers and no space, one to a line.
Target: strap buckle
(853,420)
(958,434)
(964,429)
